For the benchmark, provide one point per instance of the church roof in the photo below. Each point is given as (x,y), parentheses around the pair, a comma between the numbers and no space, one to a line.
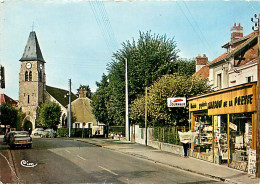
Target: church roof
(60,95)
(32,49)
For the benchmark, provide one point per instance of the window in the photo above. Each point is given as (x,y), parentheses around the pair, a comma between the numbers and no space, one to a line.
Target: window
(249,79)
(40,76)
(219,81)
(30,76)
(28,99)
(26,76)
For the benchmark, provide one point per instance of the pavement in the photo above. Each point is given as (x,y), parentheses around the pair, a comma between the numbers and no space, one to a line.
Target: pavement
(220,172)
(7,174)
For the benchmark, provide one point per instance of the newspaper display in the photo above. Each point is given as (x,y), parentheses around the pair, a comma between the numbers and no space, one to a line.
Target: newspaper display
(187,137)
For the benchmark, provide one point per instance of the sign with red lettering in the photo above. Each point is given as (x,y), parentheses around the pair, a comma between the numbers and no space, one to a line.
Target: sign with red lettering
(176,102)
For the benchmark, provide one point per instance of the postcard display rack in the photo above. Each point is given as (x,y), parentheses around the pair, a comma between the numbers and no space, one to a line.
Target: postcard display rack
(203,141)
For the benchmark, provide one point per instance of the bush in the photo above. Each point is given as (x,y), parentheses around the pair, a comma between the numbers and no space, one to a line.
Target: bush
(75,132)
(63,132)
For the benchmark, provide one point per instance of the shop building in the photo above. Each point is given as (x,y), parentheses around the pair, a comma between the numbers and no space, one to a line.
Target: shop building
(225,120)
(226,126)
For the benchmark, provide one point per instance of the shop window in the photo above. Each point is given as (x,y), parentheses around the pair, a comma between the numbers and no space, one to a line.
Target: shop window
(26,76)
(219,81)
(30,76)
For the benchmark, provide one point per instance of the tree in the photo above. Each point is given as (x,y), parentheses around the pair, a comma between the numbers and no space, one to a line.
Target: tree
(8,115)
(174,85)
(100,100)
(89,94)
(148,59)
(49,115)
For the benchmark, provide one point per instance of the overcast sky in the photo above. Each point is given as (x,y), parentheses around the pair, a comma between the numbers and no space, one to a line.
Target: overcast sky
(77,38)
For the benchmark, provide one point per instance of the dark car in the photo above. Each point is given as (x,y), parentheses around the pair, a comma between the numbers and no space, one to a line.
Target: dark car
(6,137)
(19,138)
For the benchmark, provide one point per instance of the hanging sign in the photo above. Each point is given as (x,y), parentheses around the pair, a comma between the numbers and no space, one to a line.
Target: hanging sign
(176,102)
(233,126)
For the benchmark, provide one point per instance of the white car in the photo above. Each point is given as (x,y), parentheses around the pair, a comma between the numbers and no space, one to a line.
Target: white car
(49,133)
(37,131)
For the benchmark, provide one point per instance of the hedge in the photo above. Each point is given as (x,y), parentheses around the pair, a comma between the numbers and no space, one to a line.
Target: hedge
(75,132)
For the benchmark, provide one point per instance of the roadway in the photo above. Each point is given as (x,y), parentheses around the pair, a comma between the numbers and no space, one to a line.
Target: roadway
(63,160)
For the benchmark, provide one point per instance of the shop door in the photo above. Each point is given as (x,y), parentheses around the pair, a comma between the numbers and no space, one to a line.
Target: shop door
(240,128)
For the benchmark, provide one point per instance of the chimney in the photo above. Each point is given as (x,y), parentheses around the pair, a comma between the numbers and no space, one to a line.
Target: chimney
(82,93)
(201,61)
(236,32)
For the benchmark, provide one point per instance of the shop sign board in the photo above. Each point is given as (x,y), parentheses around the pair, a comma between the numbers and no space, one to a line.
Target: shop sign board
(176,102)
(233,126)
(252,162)
(237,99)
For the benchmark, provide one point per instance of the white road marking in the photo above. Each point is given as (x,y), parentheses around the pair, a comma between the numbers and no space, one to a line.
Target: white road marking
(108,170)
(81,157)
(67,151)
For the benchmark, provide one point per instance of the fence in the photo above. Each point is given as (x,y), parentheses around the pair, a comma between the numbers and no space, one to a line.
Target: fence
(168,134)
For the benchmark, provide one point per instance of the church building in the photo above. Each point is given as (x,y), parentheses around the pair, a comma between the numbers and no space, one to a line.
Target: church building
(33,90)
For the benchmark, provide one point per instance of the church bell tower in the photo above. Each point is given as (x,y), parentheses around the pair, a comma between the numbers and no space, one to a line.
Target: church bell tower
(32,79)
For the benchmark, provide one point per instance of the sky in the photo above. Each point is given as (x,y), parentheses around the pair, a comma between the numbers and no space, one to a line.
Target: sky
(78,37)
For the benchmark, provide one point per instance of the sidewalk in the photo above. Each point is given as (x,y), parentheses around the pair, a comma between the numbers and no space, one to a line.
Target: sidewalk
(220,172)
(7,174)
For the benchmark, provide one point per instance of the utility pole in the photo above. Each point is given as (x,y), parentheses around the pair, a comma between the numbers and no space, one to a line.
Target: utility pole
(258,96)
(126,104)
(145,116)
(69,107)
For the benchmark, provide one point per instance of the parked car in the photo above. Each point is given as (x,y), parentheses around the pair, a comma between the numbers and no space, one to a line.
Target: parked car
(37,131)
(19,138)
(49,133)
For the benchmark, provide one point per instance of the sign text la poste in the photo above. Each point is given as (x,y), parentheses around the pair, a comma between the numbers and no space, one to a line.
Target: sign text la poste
(176,102)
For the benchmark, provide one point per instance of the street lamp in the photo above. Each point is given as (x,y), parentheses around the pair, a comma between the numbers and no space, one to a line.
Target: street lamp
(69,116)
(126,104)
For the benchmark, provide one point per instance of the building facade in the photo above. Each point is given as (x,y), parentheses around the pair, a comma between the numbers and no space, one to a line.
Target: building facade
(226,120)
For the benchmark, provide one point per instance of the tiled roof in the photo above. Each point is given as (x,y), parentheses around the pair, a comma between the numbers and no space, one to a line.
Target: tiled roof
(60,95)
(32,49)
(220,58)
(203,72)
(6,99)
(249,55)
(223,56)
